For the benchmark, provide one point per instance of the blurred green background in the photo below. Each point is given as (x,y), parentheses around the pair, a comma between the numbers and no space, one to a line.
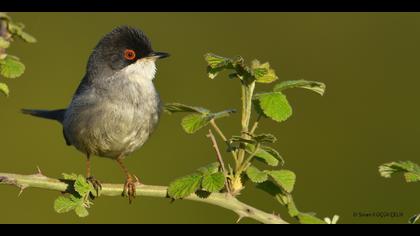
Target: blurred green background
(368,116)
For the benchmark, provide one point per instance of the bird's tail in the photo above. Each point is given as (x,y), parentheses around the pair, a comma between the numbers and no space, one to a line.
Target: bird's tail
(57,115)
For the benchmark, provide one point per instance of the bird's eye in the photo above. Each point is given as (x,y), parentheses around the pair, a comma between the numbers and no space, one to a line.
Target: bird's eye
(129,54)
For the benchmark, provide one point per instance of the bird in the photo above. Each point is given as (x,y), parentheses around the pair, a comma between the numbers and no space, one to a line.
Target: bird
(116,106)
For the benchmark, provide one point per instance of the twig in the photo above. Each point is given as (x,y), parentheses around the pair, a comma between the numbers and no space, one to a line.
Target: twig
(219,131)
(218,154)
(219,199)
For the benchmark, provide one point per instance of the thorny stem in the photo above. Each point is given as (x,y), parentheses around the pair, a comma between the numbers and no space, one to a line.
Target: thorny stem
(219,199)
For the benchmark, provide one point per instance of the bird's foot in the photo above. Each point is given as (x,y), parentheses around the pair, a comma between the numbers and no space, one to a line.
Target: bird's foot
(96,186)
(130,188)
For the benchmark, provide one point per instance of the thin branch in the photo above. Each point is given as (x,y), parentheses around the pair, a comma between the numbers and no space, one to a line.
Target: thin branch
(216,148)
(219,199)
(219,131)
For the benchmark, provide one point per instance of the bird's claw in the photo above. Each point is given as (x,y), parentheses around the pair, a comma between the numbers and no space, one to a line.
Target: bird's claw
(97,186)
(130,188)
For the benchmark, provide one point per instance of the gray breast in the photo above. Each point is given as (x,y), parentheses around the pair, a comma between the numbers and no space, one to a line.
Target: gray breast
(114,118)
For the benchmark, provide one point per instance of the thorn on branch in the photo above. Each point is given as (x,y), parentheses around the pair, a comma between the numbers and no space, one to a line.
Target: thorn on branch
(240,218)
(22,187)
(39,171)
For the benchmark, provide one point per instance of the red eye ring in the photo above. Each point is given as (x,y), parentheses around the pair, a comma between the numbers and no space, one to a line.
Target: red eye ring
(129,54)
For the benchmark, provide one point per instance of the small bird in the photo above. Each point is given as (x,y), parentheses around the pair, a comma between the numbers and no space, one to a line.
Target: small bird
(116,107)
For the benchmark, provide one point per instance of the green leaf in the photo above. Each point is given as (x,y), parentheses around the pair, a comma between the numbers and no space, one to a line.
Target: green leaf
(213,182)
(178,107)
(305,218)
(314,86)
(81,211)
(274,105)
(410,170)
(27,37)
(414,219)
(265,138)
(262,154)
(291,206)
(274,153)
(4,43)
(4,89)
(63,204)
(263,73)
(215,61)
(209,169)
(15,28)
(82,186)
(284,178)
(71,176)
(194,122)
(255,175)
(184,186)
(11,67)
(239,139)
(216,64)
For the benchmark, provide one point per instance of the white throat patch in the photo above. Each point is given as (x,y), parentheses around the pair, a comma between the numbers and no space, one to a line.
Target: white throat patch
(143,69)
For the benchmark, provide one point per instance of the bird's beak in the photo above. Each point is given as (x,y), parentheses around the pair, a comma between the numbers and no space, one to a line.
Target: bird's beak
(158,55)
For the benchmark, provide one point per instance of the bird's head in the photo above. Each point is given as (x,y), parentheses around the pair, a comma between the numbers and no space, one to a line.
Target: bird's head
(124,49)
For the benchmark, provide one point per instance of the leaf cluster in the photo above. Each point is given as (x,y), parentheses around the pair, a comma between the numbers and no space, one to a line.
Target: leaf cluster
(248,146)
(79,199)
(10,66)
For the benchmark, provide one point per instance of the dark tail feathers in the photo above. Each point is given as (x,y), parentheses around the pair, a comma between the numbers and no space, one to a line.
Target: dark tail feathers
(57,115)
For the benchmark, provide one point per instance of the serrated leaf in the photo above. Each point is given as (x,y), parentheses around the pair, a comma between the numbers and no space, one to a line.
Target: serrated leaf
(81,211)
(209,169)
(63,204)
(213,182)
(414,219)
(274,105)
(255,175)
(184,186)
(263,73)
(305,218)
(265,138)
(4,43)
(82,186)
(4,89)
(178,107)
(11,67)
(314,86)
(194,122)
(284,178)
(215,61)
(262,154)
(410,170)
(71,176)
